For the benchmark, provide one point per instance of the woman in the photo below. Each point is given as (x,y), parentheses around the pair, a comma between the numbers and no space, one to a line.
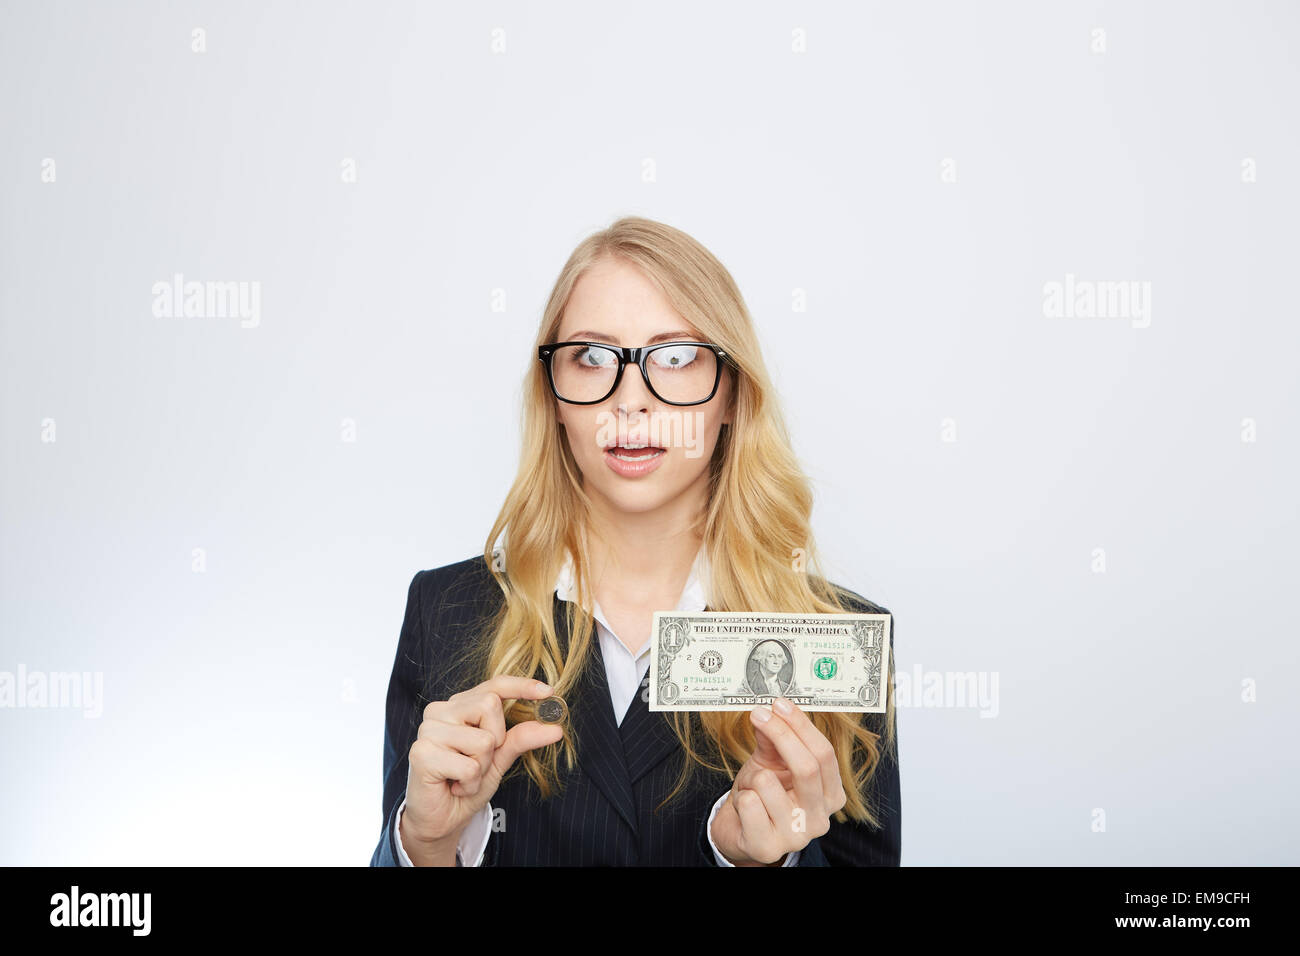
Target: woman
(649,480)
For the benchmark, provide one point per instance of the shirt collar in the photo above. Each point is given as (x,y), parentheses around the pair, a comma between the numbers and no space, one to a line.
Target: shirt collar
(694,595)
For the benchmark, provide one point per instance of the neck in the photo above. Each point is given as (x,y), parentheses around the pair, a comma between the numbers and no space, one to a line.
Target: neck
(644,550)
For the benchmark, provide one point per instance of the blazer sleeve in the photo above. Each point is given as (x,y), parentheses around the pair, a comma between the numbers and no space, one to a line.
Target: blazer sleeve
(401,719)
(857,844)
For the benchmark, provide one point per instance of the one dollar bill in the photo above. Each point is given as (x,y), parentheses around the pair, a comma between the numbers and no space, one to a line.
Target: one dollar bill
(731,660)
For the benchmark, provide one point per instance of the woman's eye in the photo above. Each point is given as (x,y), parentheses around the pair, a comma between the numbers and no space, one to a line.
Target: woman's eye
(678,356)
(594,358)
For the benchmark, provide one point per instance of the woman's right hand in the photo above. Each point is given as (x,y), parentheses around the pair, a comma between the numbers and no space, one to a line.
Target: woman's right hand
(460,754)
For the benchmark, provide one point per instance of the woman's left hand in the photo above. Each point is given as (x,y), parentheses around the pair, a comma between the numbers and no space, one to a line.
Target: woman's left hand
(785,793)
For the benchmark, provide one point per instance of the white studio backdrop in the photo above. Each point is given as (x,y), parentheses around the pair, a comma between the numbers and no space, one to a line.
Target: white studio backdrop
(1024,274)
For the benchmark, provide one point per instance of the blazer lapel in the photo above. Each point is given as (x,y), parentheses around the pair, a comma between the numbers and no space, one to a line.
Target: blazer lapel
(600,747)
(647,737)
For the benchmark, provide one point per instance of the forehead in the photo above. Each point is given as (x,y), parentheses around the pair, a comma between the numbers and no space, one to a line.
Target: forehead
(614,301)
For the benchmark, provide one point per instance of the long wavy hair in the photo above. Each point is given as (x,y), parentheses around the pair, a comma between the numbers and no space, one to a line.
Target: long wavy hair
(756,528)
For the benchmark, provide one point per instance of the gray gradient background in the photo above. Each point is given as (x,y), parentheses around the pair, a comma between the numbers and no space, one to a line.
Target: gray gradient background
(243,707)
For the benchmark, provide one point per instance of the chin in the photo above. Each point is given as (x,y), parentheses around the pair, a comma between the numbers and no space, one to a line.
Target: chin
(635,500)
(637,495)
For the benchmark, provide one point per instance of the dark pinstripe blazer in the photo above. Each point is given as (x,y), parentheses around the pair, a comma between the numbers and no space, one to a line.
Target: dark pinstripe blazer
(604,813)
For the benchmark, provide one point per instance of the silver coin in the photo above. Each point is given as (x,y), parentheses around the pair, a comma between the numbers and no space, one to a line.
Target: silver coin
(552,710)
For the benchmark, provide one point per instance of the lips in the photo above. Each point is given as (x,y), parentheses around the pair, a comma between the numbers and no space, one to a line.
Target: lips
(634,462)
(634,452)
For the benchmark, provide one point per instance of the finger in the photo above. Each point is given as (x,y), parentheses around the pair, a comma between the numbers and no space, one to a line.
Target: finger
(780,808)
(757,832)
(819,747)
(745,776)
(482,705)
(765,756)
(508,687)
(804,766)
(482,709)
(477,708)
(765,753)
(473,742)
(436,763)
(522,737)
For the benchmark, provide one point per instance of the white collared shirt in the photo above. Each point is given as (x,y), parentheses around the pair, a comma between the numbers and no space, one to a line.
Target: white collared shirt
(626,674)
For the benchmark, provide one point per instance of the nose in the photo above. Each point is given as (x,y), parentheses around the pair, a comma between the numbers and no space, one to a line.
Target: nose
(632,394)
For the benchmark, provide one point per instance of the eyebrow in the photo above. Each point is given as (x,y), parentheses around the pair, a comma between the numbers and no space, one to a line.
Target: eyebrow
(678,334)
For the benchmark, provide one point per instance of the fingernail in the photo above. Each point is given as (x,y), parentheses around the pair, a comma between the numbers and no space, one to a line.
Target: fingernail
(783,706)
(543,688)
(762,714)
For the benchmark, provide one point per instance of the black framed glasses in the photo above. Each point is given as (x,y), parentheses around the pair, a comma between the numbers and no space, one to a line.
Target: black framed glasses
(677,373)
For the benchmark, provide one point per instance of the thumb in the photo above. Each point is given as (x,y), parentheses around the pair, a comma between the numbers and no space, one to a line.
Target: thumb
(528,735)
(765,752)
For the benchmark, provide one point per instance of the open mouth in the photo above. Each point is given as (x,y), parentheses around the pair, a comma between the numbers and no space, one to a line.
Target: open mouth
(634,452)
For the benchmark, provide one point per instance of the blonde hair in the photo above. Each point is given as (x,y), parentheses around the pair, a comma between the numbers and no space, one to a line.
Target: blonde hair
(756,529)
